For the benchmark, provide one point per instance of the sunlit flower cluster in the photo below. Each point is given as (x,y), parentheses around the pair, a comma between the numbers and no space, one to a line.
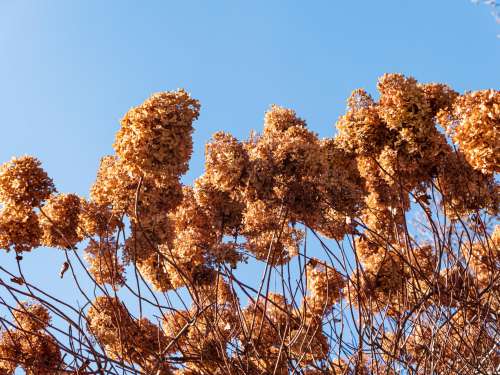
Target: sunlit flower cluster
(474,123)
(29,346)
(155,137)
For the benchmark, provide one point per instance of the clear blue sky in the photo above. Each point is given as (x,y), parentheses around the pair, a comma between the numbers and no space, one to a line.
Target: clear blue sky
(69,70)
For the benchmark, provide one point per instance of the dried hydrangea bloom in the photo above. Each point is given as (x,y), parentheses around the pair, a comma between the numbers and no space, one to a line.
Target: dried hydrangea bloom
(260,181)
(147,344)
(113,185)
(484,258)
(191,221)
(455,286)
(284,164)
(461,345)
(343,183)
(439,96)
(269,236)
(197,239)
(118,188)
(133,341)
(423,260)
(266,322)
(10,349)
(224,215)
(153,270)
(108,320)
(40,354)
(402,103)
(226,162)
(414,164)
(298,162)
(175,325)
(324,285)
(342,192)
(210,329)
(308,343)
(474,123)
(385,206)
(144,241)
(23,182)
(333,224)
(97,220)
(465,190)
(279,119)
(59,221)
(223,211)
(104,264)
(361,130)
(19,229)
(381,283)
(156,136)
(31,317)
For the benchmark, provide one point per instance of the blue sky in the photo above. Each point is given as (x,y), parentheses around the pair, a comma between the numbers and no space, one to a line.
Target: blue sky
(69,70)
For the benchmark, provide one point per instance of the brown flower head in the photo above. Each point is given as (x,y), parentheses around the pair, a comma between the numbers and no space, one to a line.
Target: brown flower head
(19,229)
(59,221)
(31,317)
(24,182)
(155,137)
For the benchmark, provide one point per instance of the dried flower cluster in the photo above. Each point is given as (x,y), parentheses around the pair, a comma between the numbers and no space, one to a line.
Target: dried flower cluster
(28,345)
(417,292)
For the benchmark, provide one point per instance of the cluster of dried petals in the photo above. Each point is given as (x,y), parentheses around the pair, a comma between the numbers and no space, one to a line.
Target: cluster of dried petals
(104,263)
(298,161)
(153,270)
(342,192)
(19,229)
(381,283)
(465,190)
(124,338)
(59,221)
(193,235)
(147,235)
(267,322)
(226,162)
(108,320)
(9,351)
(39,354)
(484,258)
(224,212)
(462,344)
(31,316)
(269,235)
(402,102)
(28,347)
(440,97)
(208,335)
(24,183)
(200,222)
(279,119)
(97,220)
(155,137)
(308,343)
(116,187)
(361,130)
(324,285)
(474,123)
(342,181)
